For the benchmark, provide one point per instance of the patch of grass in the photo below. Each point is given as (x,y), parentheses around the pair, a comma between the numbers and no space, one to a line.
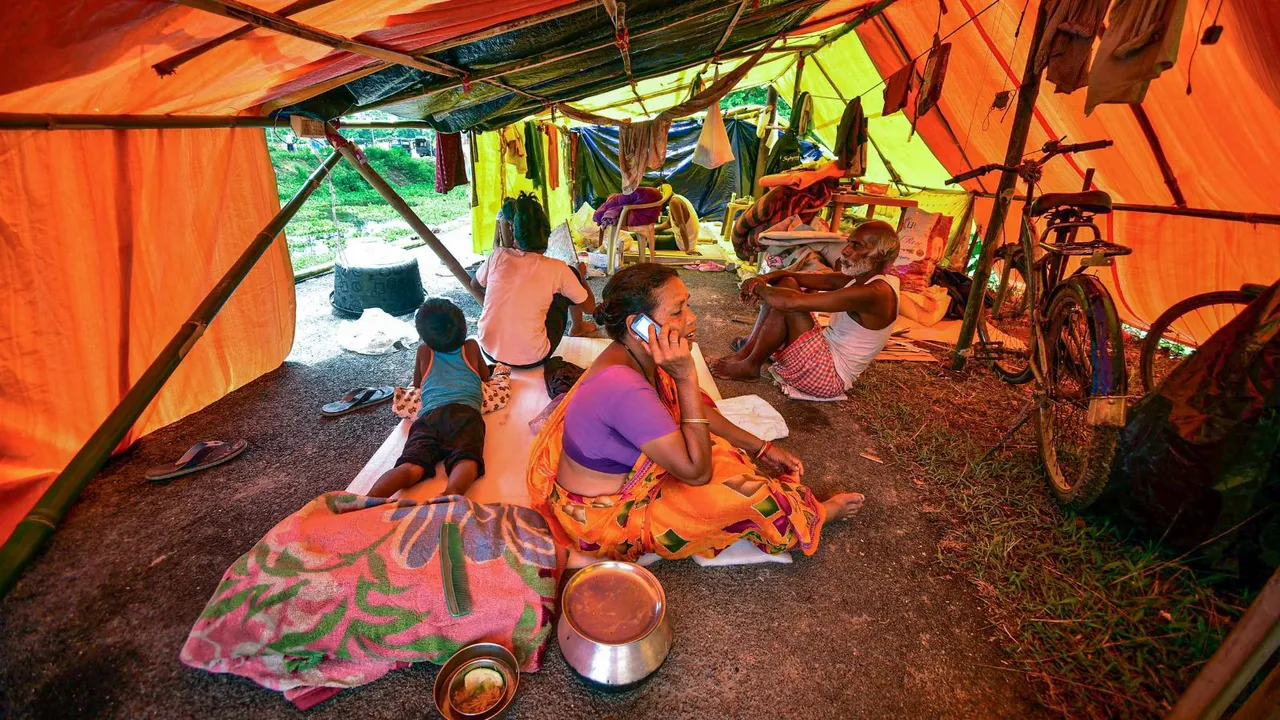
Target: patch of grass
(314,236)
(1104,626)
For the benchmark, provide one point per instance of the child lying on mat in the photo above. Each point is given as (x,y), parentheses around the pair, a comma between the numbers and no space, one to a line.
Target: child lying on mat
(449,428)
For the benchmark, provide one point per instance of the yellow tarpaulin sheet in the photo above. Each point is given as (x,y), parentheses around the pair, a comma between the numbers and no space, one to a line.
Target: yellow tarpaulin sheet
(496,180)
(108,241)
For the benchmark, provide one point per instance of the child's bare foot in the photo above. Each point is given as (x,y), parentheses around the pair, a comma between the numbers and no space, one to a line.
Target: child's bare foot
(586,328)
(843,506)
(731,368)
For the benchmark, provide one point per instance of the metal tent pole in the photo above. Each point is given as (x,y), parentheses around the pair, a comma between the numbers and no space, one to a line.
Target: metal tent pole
(49,510)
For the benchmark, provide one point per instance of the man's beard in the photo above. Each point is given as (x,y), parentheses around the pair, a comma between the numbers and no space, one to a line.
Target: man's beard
(861,267)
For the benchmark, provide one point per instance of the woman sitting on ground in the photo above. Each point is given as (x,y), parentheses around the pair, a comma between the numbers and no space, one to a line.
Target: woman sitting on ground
(527,295)
(637,460)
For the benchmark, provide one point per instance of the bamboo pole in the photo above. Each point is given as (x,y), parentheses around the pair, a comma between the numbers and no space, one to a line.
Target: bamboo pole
(347,149)
(729,29)
(1251,642)
(507,27)
(1251,218)
(1153,141)
(25,121)
(170,66)
(762,151)
(1028,91)
(53,505)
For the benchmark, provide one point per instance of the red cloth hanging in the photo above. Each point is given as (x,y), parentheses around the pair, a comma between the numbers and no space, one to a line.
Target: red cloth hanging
(553,156)
(451,167)
(897,89)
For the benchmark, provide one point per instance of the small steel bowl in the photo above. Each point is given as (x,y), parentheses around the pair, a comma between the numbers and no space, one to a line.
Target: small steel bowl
(472,657)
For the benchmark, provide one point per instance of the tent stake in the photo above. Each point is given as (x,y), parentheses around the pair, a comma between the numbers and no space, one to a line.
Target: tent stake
(1028,91)
(347,149)
(53,505)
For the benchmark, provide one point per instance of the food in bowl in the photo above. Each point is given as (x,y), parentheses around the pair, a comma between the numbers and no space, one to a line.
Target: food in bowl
(612,607)
(480,689)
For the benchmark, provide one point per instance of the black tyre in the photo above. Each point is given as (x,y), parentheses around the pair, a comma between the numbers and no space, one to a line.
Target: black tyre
(1084,358)
(1212,309)
(394,286)
(1004,328)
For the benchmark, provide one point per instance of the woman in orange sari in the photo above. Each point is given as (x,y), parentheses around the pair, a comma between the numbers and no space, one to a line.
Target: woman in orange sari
(637,460)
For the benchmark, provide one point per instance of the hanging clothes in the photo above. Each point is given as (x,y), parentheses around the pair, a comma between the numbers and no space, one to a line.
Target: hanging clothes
(641,146)
(513,150)
(451,166)
(851,140)
(713,148)
(1070,28)
(935,71)
(537,159)
(897,89)
(785,154)
(553,156)
(1140,43)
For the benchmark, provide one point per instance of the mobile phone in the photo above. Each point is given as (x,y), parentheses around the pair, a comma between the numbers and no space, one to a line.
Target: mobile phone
(640,326)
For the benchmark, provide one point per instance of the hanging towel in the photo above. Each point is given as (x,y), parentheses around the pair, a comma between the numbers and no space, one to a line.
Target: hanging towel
(553,156)
(897,89)
(536,160)
(851,140)
(451,167)
(1140,43)
(513,151)
(713,148)
(1070,29)
(641,146)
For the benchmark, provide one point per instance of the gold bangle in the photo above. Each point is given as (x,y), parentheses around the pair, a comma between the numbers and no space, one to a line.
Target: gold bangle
(696,421)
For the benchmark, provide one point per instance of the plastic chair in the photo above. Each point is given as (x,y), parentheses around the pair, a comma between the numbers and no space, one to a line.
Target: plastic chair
(644,233)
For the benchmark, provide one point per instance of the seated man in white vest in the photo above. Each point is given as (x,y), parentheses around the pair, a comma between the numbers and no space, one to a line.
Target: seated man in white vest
(863,302)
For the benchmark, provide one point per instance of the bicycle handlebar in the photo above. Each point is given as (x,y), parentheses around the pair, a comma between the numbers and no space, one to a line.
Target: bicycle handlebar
(1050,149)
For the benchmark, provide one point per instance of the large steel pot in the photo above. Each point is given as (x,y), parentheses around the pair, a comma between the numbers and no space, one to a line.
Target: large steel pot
(613,628)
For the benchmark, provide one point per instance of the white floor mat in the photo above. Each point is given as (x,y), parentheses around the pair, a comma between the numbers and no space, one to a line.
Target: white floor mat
(506,448)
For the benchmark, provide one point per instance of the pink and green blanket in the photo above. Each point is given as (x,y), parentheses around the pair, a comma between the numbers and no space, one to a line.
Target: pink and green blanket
(348,588)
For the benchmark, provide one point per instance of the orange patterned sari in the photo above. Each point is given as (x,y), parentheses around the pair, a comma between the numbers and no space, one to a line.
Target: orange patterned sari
(657,513)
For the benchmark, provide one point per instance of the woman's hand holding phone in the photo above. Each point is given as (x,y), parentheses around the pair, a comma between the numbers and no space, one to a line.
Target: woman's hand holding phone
(671,352)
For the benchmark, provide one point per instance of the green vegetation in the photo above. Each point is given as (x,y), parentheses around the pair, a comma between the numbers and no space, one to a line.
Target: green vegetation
(347,207)
(1103,626)
(755,96)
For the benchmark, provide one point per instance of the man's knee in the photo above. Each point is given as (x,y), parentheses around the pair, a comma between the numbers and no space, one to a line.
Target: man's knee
(788,283)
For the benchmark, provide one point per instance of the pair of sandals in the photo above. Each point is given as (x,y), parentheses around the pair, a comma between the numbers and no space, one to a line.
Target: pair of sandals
(211,453)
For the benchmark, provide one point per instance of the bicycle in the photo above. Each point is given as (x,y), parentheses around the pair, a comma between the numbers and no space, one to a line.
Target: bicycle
(1209,310)
(1059,329)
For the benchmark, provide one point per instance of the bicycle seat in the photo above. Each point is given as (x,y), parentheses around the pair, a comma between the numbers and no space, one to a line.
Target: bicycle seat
(1093,201)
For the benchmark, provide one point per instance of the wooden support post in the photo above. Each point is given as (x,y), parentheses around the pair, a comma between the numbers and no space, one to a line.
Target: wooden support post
(762,152)
(1253,640)
(53,505)
(1028,91)
(348,151)
(1157,150)
(170,66)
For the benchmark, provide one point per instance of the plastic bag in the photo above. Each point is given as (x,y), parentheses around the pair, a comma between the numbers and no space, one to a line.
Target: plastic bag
(714,148)
(585,231)
(922,238)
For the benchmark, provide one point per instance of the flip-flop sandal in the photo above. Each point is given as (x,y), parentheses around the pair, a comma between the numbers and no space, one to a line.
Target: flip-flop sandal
(737,344)
(200,456)
(357,399)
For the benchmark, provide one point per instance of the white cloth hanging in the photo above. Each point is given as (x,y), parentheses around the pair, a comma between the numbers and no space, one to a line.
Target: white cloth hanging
(713,148)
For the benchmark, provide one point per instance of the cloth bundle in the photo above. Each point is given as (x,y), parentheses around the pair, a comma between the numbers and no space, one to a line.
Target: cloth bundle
(775,205)
(494,394)
(349,587)
(608,213)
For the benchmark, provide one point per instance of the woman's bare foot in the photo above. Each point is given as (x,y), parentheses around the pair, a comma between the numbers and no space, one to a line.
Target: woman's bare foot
(584,329)
(843,506)
(731,368)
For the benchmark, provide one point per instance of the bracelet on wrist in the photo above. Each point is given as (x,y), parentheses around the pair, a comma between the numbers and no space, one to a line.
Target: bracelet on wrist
(764,449)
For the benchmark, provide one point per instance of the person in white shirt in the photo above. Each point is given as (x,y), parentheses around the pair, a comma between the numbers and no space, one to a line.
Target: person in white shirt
(528,296)
(863,303)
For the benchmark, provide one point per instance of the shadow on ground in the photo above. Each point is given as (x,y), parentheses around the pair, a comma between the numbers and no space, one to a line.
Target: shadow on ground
(870,626)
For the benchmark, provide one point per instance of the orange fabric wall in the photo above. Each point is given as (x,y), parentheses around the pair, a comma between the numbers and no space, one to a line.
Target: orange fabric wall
(108,241)
(1221,141)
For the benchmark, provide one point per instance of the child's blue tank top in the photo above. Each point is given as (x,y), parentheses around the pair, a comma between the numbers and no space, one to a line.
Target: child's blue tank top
(450,380)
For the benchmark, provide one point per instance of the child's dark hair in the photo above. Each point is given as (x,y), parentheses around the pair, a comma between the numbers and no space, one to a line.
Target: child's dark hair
(529,224)
(441,325)
(631,292)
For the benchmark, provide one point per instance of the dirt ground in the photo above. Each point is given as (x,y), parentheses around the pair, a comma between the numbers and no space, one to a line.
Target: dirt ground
(872,625)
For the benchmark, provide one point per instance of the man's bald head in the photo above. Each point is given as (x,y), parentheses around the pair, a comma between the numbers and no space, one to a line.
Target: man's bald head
(871,248)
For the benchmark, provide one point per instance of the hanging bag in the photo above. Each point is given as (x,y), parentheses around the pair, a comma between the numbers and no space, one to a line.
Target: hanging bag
(713,148)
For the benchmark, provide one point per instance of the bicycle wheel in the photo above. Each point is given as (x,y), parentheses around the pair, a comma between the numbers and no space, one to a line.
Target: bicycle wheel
(1004,329)
(1084,357)
(1178,324)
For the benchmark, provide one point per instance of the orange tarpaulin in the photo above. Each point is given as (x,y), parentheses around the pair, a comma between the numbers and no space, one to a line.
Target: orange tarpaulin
(1221,141)
(108,242)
